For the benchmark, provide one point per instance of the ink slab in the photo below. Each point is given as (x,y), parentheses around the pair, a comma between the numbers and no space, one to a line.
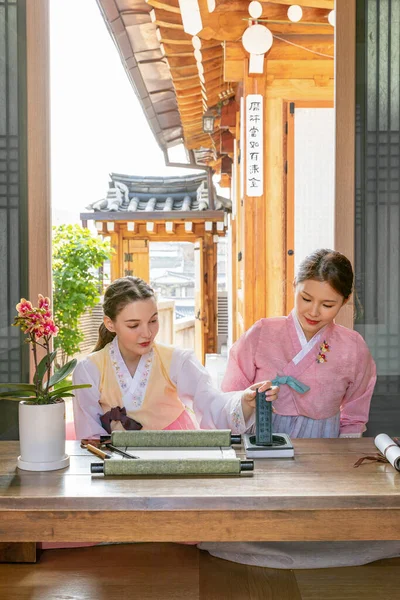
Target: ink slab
(281,447)
(265,444)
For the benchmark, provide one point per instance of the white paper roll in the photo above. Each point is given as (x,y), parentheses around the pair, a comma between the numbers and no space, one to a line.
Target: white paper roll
(388,448)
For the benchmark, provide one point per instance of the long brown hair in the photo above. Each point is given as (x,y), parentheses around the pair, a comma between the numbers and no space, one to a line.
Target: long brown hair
(119,293)
(330,266)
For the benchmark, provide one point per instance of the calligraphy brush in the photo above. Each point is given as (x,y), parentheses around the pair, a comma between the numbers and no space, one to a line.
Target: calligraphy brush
(118,450)
(96,451)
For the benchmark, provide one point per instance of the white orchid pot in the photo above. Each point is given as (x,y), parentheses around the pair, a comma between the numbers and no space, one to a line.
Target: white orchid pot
(42,436)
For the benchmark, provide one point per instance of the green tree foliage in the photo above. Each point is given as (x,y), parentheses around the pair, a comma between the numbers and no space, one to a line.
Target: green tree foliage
(77,255)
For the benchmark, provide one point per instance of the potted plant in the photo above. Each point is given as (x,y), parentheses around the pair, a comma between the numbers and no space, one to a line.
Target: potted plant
(41,403)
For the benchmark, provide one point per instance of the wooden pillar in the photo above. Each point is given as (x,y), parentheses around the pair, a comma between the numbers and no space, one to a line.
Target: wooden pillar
(199,299)
(275,217)
(38,152)
(345,89)
(210,292)
(38,134)
(116,263)
(234,245)
(254,229)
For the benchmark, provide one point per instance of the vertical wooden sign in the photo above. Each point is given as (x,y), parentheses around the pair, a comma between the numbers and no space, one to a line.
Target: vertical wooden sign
(254,145)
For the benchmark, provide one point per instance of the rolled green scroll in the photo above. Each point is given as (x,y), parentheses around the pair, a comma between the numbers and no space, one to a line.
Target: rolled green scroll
(180,438)
(228,466)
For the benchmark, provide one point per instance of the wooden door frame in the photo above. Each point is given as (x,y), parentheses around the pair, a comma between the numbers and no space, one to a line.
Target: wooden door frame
(345,103)
(289,190)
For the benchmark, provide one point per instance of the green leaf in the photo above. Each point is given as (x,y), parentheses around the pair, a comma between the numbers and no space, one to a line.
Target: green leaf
(77,254)
(16,393)
(19,398)
(62,373)
(60,391)
(42,367)
(19,386)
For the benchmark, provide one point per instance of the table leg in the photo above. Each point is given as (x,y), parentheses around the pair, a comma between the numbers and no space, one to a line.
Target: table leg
(17,552)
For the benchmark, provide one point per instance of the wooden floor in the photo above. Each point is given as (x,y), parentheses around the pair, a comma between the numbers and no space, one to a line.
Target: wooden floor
(178,572)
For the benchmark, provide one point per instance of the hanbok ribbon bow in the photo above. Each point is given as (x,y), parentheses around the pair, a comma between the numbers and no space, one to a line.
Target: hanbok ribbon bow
(119,414)
(295,384)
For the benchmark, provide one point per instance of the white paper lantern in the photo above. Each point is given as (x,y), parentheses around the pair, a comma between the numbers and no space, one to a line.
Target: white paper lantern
(332,18)
(294,13)
(257,39)
(191,17)
(255,9)
(196,42)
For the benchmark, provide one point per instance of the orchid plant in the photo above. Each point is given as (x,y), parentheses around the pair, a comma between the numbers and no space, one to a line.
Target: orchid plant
(38,325)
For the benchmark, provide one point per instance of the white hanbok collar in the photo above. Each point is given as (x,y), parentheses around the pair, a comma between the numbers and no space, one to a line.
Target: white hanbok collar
(306,347)
(133,388)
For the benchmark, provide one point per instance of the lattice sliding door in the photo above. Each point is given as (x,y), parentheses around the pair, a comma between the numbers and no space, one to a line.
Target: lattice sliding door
(377,227)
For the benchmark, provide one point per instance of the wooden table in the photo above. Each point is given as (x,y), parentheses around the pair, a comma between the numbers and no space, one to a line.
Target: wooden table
(318,495)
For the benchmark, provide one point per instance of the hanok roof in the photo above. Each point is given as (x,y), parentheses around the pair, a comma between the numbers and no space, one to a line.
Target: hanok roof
(174,278)
(131,194)
(175,87)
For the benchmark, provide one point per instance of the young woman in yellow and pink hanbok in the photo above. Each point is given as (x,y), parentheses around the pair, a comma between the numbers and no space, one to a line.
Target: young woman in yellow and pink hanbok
(138,383)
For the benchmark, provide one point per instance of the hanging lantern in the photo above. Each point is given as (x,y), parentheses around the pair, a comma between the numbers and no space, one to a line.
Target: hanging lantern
(208,122)
(257,39)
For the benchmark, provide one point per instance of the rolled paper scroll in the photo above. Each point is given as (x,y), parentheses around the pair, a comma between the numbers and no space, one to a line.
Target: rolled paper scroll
(389,448)
(169,439)
(228,466)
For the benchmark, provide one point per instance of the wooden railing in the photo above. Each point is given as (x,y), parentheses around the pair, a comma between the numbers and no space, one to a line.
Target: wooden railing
(166,315)
(175,332)
(184,333)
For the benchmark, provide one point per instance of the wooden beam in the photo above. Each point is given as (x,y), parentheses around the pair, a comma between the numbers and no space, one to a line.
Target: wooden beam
(183,70)
(272,11)
(178,63)
(235,54)
(162,216)
(174,49)
(301,28)
(193,90)
(328,4)
(173,36)
(187,106)
(170,6)
(188,114)
(224,26)
(167,17)
(300,69)
(181,233)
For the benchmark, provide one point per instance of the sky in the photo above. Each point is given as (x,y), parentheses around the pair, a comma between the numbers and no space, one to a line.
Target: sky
(97,123)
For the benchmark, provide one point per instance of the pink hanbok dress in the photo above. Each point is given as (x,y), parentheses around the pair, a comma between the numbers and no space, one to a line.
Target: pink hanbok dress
(339,371)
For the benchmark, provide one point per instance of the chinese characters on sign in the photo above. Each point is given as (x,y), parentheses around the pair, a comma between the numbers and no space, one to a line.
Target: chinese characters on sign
(254,145)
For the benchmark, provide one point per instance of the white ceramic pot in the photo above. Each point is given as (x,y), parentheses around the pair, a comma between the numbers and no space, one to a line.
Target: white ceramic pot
(42,436)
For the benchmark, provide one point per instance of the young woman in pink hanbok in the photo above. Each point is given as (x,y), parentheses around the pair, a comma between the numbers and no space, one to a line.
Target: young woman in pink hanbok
(325,371)
(138,383)
(326,376)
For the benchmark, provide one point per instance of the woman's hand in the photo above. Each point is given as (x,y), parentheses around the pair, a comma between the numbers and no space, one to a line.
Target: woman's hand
(249,396)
